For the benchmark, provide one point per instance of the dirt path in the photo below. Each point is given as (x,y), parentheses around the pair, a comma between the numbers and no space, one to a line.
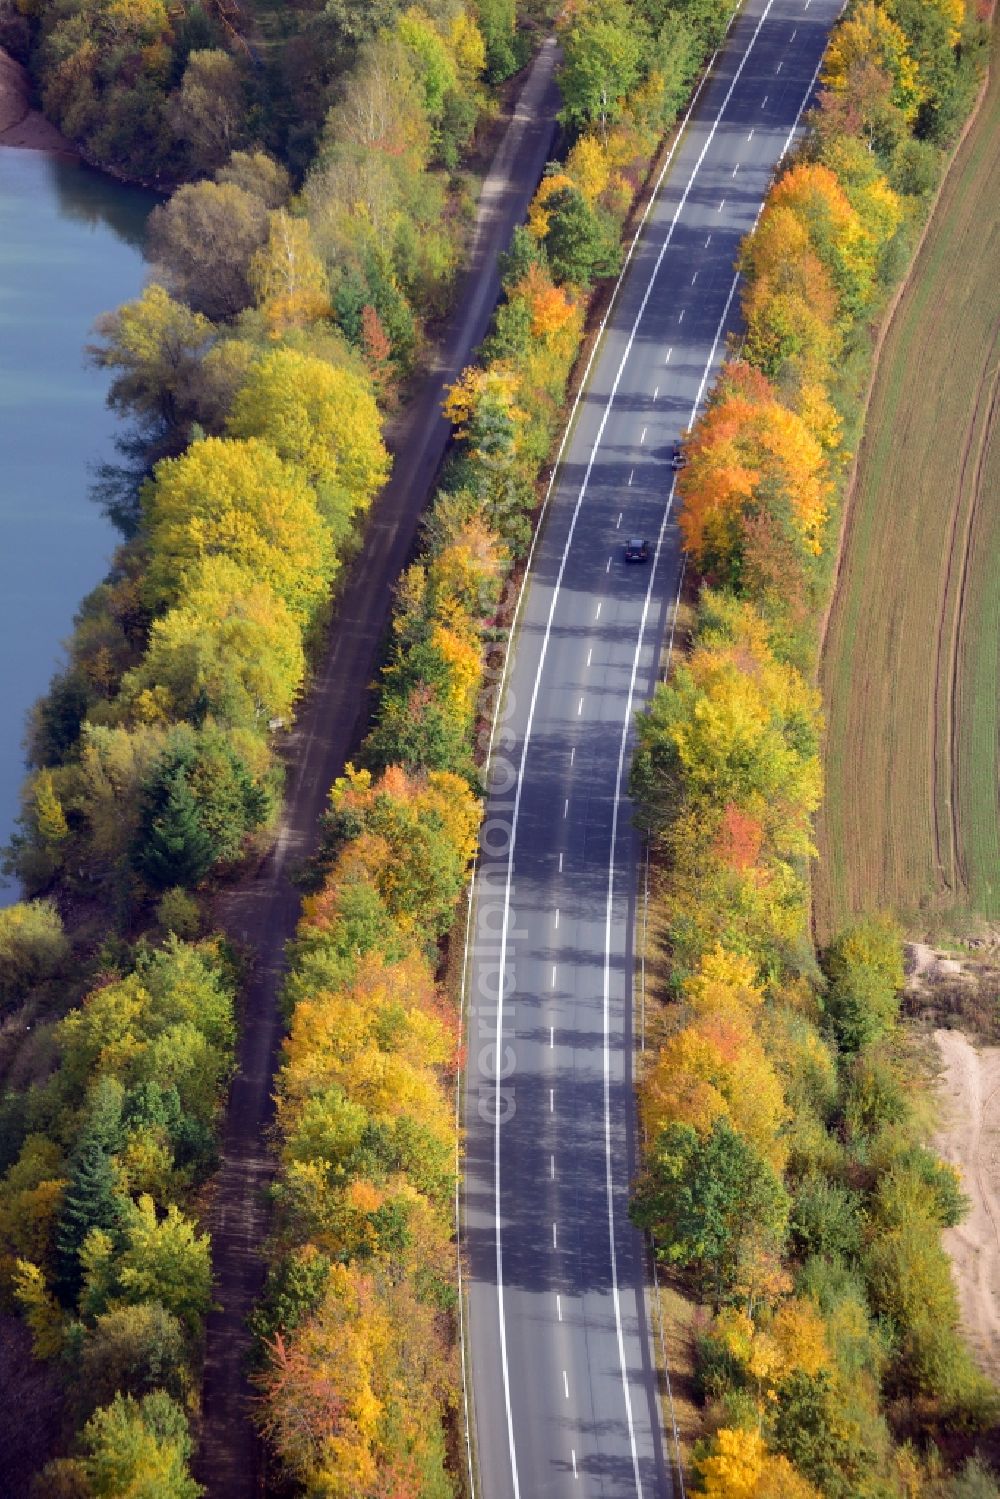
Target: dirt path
(970,1139)
(261,912)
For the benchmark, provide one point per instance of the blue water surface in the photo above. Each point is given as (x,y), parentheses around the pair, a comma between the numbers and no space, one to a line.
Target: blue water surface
(71,243)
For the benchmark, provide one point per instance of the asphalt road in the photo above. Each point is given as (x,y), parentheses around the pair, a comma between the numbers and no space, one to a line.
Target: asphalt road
(260,913)
(562,1378)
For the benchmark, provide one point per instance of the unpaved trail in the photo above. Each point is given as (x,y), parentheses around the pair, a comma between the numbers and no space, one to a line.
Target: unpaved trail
(969,1138)
(261,912)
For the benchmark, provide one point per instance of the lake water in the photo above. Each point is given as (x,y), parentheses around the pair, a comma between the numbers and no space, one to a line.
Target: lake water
(70,248)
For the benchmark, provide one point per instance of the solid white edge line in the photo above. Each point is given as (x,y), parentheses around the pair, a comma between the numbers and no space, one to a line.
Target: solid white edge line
(805,100)
(498,1228)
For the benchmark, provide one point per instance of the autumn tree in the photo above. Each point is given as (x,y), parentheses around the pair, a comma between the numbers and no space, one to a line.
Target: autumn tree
(203,241)
(734,724)
(865,967)
(869,33)
(208,110)
(323,420)
(602,59)
(106,73)
(713,1204)
(747,453)
(238,499)
(739,1466)
(287,276)
(154,347)
(200,802)
(259,175)
(423,830)
(231,650)
(141,1448)
(716,1066)
(33,947)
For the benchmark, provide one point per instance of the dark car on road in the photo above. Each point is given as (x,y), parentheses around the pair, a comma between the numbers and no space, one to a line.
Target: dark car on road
(636,549)
(678,458)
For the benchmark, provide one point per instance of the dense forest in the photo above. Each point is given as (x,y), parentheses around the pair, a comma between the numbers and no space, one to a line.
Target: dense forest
(788,1181)
(164,93)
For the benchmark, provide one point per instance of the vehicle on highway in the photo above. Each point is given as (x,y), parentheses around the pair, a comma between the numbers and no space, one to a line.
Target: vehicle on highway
(636,549)
(678,458)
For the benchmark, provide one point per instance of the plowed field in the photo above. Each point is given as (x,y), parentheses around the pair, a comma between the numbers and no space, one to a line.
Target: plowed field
(911,667)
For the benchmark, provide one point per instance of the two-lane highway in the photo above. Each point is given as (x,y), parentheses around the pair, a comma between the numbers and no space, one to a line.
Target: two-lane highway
(563,1384)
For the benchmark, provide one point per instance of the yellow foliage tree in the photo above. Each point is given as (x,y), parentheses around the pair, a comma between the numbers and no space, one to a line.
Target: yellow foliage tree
(589,167)
(287,276)
(740,1467)
(869,34)
(538,218)
(232,648)
(40,1309)
(320,418)
(237,499)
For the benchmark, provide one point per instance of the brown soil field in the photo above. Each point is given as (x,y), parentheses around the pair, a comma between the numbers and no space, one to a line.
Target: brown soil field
(911,664)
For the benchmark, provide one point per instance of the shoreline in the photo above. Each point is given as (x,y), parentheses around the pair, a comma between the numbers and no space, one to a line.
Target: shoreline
(21,126)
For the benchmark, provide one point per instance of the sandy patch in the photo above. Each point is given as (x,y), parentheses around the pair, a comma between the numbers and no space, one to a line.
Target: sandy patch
(969,1138)
(20,125)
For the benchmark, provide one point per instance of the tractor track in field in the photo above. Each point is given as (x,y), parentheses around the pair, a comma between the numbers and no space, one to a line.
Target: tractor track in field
(949,635)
